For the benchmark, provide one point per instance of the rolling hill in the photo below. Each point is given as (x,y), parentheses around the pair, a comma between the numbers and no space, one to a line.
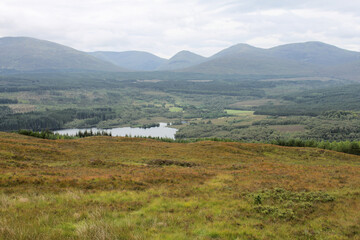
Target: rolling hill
(133,60)
(29,54)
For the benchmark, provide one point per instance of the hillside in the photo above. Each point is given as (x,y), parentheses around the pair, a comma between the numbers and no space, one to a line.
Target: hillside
(128,188)
(133,60)
(29,54)
(181,60)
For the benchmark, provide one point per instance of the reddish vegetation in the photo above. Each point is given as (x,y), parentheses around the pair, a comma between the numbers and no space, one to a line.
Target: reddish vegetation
(243,188)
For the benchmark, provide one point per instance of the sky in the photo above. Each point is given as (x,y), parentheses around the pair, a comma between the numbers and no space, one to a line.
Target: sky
(165,27)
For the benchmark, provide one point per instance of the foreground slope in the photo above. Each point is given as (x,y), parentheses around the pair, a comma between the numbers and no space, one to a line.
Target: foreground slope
(30,54)
(125,188)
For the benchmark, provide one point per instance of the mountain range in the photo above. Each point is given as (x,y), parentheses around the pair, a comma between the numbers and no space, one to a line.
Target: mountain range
(29,54)
(309,58)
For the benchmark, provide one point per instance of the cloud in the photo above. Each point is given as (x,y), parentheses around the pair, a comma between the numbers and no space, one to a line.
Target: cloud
(165,27)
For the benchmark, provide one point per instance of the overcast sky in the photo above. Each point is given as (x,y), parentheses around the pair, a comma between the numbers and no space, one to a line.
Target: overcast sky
(165,27)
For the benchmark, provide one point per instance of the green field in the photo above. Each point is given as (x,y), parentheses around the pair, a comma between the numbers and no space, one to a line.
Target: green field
(175,109)
(238,112)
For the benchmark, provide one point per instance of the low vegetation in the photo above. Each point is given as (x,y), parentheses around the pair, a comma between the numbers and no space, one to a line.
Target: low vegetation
(136,188)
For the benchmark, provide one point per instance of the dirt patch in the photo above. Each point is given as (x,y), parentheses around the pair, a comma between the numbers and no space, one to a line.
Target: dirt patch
(21,108)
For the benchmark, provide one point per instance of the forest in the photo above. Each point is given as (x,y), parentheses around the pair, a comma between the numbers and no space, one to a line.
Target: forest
(240,108)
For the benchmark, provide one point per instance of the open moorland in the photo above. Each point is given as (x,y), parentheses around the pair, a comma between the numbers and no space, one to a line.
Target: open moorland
(133,188)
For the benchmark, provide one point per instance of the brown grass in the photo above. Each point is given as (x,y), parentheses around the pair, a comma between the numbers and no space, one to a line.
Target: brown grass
(128,188)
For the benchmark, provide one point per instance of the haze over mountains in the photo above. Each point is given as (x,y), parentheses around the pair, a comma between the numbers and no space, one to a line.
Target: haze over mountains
(307,59)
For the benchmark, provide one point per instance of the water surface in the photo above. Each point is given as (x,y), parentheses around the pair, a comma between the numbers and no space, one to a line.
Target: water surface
(162,131)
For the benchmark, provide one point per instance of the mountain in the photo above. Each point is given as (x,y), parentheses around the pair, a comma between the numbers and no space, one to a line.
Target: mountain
(240,48)
(181,60)
(310,58)
(29,54)
(134,60)
(317,53)
(248,60)
(349,71)
(305,59)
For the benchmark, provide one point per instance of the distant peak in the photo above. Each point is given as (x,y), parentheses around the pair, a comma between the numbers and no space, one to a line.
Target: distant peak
(237,49)
(185,53)
(307,44)
(315,43)
(244,45)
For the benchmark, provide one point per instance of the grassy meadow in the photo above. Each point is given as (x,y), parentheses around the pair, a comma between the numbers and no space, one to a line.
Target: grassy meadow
(133,188)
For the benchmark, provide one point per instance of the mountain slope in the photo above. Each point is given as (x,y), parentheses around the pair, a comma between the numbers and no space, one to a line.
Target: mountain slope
(240,48)
(250,61)
(134,60)
(182,59)
(317,53)
(29,54)
(310,58)
(350,71)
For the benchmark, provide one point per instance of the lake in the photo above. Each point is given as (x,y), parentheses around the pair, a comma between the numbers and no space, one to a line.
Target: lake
(162,131)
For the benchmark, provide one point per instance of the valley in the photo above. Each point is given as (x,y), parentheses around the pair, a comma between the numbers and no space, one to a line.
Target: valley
(240,109)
